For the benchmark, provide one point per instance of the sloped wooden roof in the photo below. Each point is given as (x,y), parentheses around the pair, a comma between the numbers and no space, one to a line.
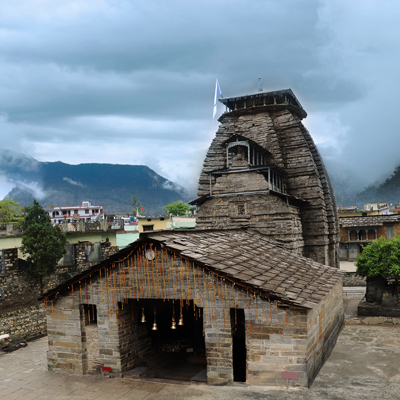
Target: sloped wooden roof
(249,257)
(373,220)
(243,256)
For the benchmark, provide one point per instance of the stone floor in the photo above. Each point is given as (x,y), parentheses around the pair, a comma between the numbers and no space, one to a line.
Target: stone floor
(363,365)
(348,266)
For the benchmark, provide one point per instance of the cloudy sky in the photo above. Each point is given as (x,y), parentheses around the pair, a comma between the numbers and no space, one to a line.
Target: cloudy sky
(132,82)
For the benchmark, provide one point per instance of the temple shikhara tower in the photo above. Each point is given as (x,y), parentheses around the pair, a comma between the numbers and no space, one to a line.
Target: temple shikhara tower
(264,172)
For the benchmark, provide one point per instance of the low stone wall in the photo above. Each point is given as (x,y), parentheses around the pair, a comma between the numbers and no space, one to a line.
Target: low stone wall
(352,279)
(24,324)
(22,290)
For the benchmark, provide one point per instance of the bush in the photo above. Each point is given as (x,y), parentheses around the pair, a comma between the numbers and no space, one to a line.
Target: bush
(381,257)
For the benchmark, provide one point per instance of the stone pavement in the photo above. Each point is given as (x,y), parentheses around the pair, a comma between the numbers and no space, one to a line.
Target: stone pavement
(365,364)
(348,266)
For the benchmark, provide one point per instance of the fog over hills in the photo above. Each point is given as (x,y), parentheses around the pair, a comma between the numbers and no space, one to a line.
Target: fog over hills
(387,190)
(23,178)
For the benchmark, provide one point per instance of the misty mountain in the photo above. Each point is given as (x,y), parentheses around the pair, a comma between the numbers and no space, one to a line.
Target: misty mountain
(108,185)
(346,182)
(388,191)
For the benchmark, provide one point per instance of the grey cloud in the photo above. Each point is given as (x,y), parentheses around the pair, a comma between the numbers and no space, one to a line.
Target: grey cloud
(83,81)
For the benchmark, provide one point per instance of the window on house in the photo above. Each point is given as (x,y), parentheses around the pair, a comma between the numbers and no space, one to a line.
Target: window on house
(389,232)
(86,211)
(148,228)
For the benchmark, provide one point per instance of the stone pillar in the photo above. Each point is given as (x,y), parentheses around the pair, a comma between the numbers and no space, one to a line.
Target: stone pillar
(64,329)
(109,346)
(218,340)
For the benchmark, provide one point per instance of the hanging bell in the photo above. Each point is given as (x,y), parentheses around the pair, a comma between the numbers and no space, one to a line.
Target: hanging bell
(180,322)
(154,328)
(143,319)
(173,326)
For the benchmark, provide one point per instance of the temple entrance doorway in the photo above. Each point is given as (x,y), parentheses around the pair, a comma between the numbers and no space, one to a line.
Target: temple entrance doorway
(238,344)
(175,330)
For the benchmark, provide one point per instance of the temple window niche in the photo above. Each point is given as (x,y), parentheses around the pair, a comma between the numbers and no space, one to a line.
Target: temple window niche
(241,153)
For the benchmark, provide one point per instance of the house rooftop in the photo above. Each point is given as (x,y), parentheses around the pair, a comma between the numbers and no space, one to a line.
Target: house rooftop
(372,220)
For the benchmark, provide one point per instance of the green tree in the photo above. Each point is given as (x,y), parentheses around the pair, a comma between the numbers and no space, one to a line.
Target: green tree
(43,243)
(177,208)
(10,211)
(137,205)
(381,257)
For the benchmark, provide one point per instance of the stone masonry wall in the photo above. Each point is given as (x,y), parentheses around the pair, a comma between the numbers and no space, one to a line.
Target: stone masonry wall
(276,339)
(277,342)
(66,337)
(324,325)
(352,279)
(270,215)
(304,181)
(24,324)
(92,348)
(21,289)
(135,343)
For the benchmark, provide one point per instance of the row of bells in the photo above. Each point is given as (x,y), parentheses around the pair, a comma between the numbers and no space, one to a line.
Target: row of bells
(155,328)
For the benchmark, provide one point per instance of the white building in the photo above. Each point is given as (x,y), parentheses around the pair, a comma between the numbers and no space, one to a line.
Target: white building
(86,212)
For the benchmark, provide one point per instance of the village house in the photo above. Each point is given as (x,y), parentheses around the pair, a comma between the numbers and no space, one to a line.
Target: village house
(166,222)
(253,294)
(356,232)
(87,212)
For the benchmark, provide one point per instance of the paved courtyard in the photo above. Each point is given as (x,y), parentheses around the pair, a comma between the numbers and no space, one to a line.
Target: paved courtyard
(365,364)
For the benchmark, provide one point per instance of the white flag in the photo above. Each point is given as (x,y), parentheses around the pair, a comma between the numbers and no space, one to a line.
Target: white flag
(218,92)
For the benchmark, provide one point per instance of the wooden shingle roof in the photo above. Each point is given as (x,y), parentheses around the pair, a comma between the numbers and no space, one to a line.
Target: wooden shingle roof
(250,258)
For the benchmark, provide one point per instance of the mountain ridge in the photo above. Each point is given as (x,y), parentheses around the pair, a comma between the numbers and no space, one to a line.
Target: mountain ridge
(387,191)
(106,184)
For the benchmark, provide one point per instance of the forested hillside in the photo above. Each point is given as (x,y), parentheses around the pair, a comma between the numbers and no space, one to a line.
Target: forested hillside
(109,185)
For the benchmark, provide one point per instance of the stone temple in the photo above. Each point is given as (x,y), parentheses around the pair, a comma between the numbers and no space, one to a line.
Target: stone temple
(264,172)
(251,295)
